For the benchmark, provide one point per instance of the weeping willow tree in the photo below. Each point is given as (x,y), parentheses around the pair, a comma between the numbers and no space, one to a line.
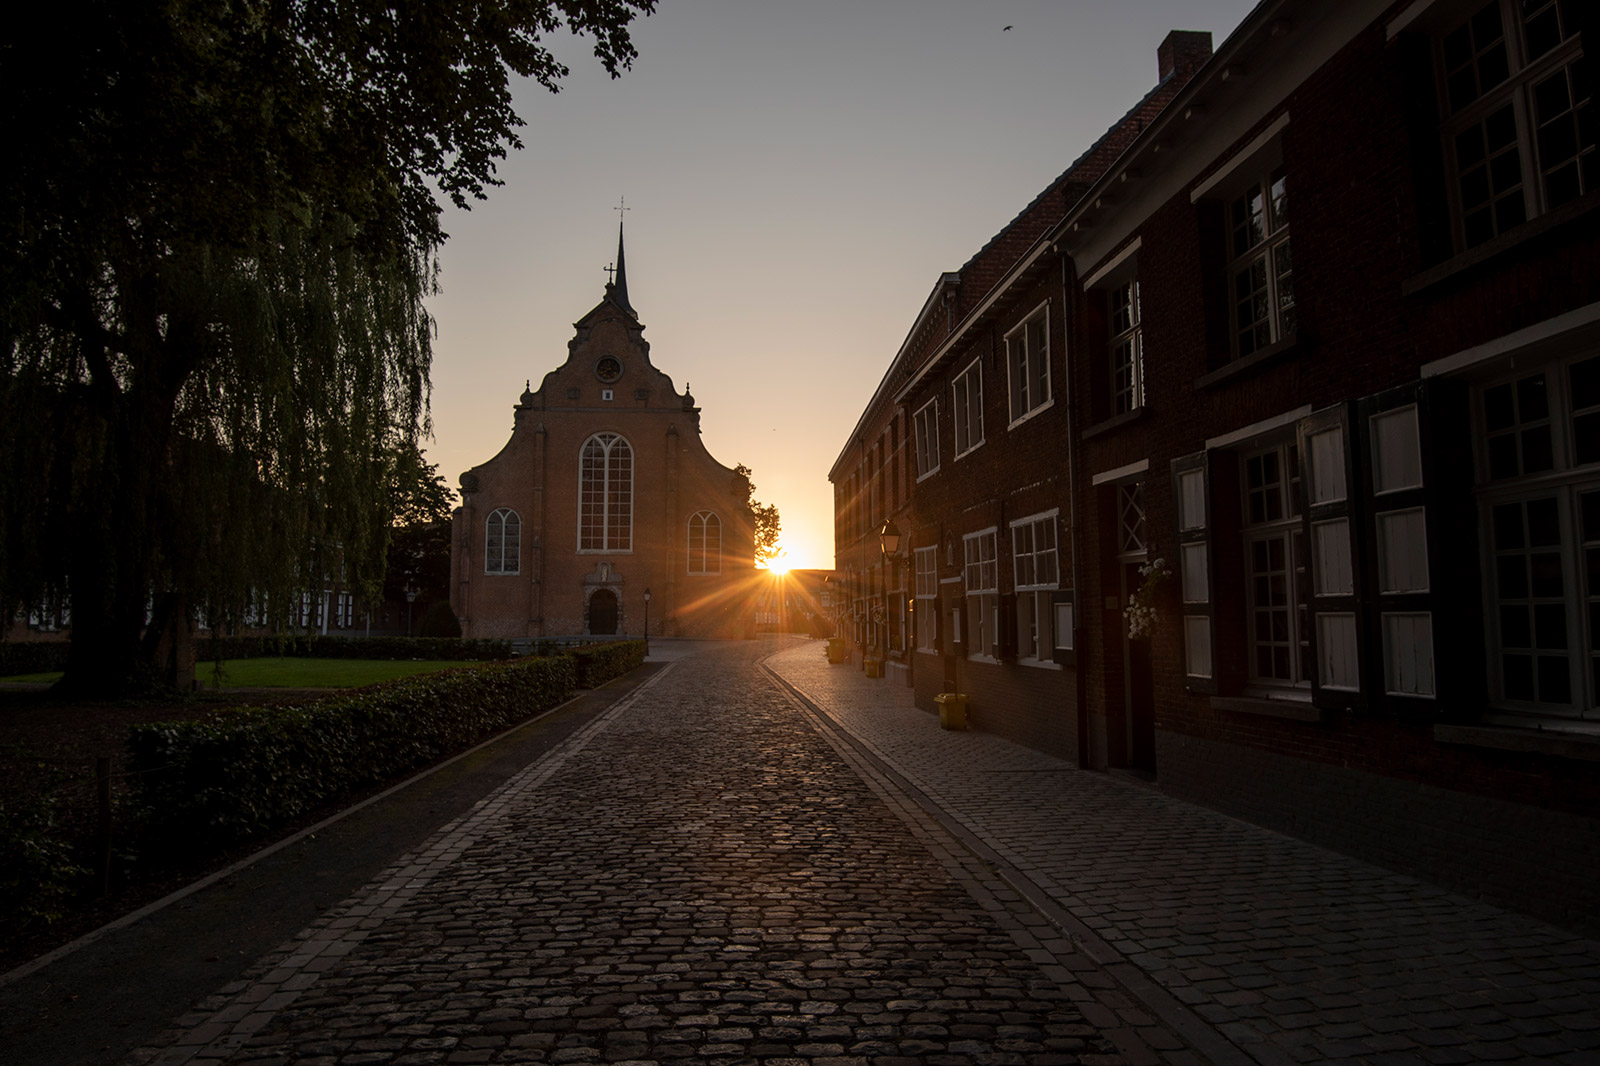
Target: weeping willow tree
(215,249)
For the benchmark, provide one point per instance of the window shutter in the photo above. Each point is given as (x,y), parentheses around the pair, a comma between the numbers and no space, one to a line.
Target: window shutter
(1196,576)
(1336,623)
(1400,580)
(1062,625)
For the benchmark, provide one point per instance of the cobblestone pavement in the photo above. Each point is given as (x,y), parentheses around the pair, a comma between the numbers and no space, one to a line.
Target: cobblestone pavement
(1293,953)
(700,874)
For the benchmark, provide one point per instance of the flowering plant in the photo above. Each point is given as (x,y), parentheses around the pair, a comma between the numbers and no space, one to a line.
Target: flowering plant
(1141,609)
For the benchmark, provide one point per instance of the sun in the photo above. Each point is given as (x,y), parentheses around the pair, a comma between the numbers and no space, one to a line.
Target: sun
(779,563)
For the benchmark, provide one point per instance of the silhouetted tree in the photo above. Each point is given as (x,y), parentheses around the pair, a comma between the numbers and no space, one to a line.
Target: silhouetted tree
(768,526)
(219,226)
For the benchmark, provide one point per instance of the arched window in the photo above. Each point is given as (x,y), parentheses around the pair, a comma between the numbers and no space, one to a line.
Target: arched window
(605,495)
(705,543)
(502,543)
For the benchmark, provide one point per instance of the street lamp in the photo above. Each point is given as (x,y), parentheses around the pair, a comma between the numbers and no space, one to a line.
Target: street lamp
(411,597)
(647,622)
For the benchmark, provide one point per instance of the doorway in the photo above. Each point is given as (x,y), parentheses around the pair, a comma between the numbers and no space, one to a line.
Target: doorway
(603,613)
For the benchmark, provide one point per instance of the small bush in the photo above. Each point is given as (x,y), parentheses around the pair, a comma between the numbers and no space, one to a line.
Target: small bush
(33,657)
(209,784)
(316,646)
(37,872)
(599,663)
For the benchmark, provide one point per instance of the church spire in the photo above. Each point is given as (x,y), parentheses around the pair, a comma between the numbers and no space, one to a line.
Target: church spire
(618,289)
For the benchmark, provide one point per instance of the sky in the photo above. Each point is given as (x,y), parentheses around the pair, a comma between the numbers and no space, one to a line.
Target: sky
(797,175)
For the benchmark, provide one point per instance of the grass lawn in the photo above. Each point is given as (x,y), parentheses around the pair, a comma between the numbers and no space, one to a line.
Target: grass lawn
(298,673)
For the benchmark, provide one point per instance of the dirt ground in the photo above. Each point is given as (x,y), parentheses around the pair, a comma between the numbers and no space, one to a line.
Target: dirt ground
(49,746)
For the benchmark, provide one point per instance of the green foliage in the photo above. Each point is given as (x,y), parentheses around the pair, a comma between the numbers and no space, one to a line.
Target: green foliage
(32,657)
(598,663)
(440,621)
(334,647)
(37,871)
(768,525)
(218,242)
(319,673)
(208,784)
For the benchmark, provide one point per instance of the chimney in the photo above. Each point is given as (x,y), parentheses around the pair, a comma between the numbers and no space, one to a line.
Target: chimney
(1183,52)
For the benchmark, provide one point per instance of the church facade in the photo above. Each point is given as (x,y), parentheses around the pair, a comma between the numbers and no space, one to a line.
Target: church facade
(604,496)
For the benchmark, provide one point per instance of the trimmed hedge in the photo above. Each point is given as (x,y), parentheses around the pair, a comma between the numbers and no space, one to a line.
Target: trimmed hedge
(32,657)
(208,784)
(316,646)
(598,663)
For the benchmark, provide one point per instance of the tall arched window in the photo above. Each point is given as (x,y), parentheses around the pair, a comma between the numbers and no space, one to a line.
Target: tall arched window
(605,495)
(502,543)
(705,543)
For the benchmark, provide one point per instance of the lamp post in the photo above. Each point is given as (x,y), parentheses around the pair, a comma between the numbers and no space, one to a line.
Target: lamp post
(411,597)
(888,545)
(647,622)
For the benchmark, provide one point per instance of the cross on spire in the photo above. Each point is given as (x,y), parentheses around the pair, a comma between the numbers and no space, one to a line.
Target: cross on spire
(610,270)
(622,207)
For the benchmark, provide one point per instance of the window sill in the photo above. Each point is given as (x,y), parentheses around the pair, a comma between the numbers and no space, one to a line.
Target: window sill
(1293,710)
(1559,219)
(1114,423)
(1554,739)
(1040,664)
(1249,363)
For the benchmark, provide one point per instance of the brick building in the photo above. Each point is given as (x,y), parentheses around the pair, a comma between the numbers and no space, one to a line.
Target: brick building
(916,458)
(604,493)
(1370,471)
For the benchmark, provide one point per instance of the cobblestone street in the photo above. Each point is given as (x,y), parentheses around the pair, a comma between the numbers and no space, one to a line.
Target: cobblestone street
(751,856)
(698,875)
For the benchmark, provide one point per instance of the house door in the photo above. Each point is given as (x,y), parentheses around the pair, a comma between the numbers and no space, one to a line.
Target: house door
(1138,688)
(603,613)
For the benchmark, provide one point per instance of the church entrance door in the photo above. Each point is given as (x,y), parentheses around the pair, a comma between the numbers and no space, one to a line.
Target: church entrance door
(603,613)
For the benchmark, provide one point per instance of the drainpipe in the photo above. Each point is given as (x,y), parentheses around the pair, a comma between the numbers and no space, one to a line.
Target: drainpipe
(1081,677)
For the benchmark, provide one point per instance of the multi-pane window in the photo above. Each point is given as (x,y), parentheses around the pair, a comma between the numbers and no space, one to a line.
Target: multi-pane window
(1540,488)
(926,425)
(1028,365)
(1519,134)
(967,398)
(1262,271)
(605,519)
(502,542)
(927,590)
(705,543)
(1036,573)
(1127,349)
(1273,549)
(983,591)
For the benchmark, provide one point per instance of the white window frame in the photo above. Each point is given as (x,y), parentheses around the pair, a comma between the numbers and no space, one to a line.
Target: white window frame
(497,551)
(981,577)
(925,424)
(1267,248)
(702,526)
(1036,576)
(614,538)
(1028,365)
(1286,530)
(1566,482)
(966,398)
(1129,338)
(927,595)
(1517,94)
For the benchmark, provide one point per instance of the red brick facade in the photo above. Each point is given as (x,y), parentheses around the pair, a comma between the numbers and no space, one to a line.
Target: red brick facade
(608,492)
(1369,471)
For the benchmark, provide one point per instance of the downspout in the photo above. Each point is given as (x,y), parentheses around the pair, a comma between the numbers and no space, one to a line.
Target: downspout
(1080,675)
